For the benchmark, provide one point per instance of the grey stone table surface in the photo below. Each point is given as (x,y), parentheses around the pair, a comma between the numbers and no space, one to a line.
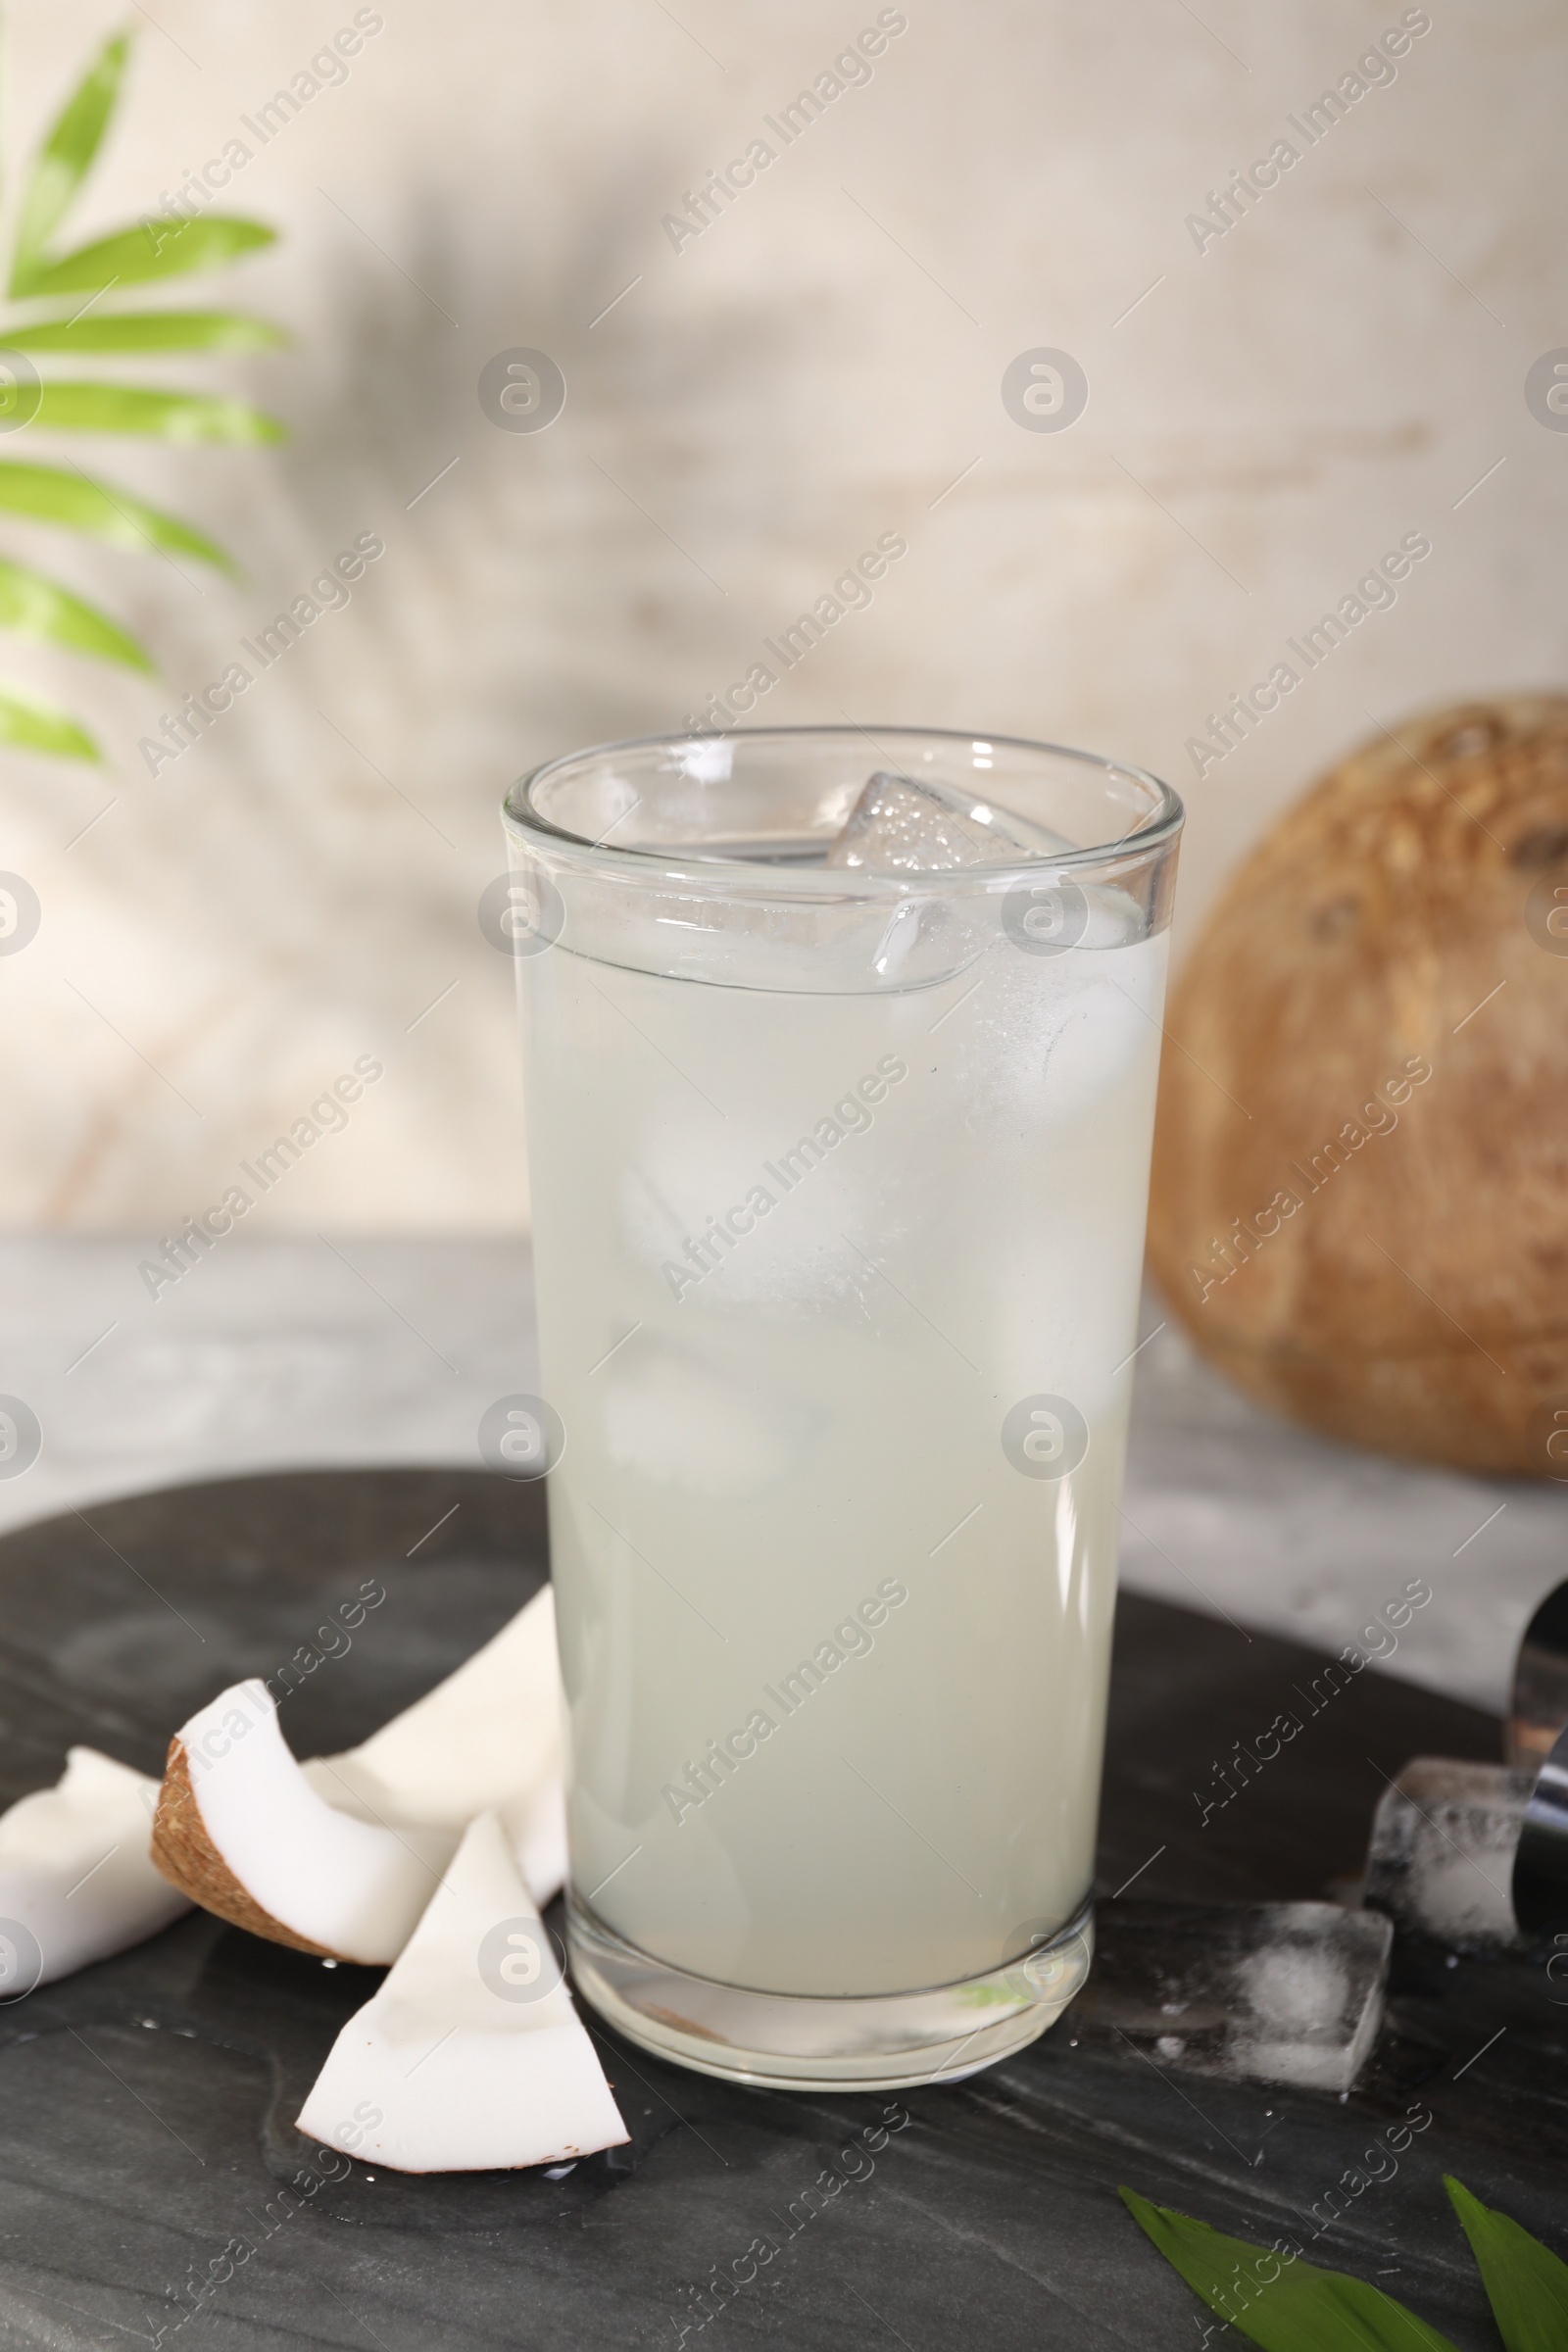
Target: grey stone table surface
(357,1351)
(148,2103)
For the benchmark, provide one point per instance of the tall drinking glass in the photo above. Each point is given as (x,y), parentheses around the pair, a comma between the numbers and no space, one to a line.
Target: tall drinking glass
(839,1101)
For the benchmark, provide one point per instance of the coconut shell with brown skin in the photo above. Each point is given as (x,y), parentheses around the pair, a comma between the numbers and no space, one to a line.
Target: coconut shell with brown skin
(184,1854)
(1359,1204)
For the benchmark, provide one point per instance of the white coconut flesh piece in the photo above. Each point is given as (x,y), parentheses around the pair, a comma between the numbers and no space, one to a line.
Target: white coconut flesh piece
(490,1731)
(342,1854)
(472,2056)
(534,1819)
(77,1882)
(241,1829)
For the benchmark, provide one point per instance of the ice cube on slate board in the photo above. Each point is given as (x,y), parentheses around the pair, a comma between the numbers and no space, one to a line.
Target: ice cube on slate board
(1267,1992)
(902,825)
(1441,1857)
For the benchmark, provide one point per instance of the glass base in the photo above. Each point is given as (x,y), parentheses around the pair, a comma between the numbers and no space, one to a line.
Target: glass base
(793,2041)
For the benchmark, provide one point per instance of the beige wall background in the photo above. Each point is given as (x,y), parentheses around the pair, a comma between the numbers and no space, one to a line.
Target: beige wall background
(821,366)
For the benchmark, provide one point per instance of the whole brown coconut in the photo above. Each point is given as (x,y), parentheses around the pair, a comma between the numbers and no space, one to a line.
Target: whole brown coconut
(1360,1184)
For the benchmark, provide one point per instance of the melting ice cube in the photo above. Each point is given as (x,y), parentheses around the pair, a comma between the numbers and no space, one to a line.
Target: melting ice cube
(899,825)
(1272,1992)
(1444,1839)
(677,1416)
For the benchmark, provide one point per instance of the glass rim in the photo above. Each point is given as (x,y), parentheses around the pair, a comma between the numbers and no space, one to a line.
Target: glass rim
(518,810)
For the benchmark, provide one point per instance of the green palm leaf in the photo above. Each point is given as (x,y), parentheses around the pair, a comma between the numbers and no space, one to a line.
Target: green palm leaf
(32,725)
(158,249)
(50,494)
(1291,2307)
(150,330)
(1526,2284)
(67,155)
(168,415)
(38,608)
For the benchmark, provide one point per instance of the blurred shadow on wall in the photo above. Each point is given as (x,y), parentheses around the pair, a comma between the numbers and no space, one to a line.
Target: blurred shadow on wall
(587,580)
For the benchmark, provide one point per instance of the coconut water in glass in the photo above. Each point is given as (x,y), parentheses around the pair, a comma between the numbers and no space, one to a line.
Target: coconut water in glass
(840,1060)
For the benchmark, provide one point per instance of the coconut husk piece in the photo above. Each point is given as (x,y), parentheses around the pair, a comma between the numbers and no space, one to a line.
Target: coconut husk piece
(187,1858)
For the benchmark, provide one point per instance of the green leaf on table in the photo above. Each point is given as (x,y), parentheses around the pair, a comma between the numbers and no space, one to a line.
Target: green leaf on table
(1286,2306)
(57,495)
(32,725)
(132,256)
(1526,2284)
(149,330)
(167,416)
(38,608)
(66,156)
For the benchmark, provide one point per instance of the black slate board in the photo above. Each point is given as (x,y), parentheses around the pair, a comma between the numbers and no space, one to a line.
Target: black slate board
(145,2105)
